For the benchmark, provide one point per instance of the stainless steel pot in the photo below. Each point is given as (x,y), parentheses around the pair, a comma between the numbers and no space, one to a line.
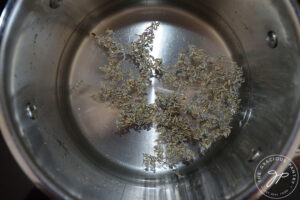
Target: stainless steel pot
(64,141)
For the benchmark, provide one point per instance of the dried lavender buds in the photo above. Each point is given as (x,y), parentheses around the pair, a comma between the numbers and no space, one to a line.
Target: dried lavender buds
(77,85)
(199,107)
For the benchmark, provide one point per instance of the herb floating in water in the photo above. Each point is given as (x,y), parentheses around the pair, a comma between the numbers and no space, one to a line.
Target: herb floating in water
(77,85)
(200,103)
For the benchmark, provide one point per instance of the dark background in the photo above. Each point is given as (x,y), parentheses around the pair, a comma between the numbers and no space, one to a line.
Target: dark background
(14,185)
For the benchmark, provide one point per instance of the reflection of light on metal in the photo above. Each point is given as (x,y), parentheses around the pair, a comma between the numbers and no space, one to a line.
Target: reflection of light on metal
(152,95)
(157,42)
(250,114)
(2,16)
(153,134)
(156,53)
(246,117)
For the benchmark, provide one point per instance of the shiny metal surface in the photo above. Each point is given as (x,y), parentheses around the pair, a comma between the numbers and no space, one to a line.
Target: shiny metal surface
(69,147)
(95,121)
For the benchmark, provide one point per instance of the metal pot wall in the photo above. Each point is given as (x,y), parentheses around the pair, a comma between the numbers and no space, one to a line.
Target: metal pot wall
(64,141)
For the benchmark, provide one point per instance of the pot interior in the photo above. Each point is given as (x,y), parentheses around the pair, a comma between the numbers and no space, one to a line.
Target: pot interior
(70,138)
